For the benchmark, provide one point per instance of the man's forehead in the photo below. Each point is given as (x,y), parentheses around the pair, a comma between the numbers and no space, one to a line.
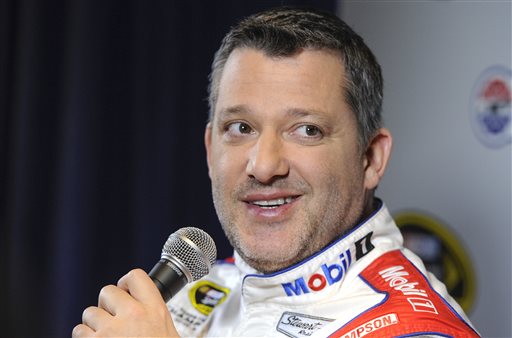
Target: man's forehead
(250,65)
(305,78)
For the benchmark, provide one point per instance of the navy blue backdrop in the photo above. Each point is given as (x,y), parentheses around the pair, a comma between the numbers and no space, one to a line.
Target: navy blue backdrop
(102,110)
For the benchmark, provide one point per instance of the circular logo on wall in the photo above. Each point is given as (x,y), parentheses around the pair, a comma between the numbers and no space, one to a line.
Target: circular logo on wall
(442,252)
(490,107)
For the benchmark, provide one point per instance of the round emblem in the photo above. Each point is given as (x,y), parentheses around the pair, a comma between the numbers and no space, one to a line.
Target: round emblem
(442,252)
(490,107)
(206,295)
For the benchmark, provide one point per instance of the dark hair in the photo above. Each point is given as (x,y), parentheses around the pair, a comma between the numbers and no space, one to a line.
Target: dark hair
(284,31)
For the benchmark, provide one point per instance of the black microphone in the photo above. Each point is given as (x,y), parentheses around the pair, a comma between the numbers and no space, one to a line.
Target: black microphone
(187,255)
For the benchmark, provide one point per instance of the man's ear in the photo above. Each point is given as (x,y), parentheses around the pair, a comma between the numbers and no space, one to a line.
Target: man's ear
(208,146)
(376,158)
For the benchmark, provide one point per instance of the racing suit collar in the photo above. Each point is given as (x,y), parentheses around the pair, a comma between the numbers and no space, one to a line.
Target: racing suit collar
(326,270)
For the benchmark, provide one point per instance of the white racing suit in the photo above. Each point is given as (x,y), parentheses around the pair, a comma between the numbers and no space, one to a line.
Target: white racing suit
(365,284)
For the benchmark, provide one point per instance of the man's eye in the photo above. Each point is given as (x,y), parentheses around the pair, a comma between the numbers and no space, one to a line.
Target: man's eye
(309,131)
(237,128)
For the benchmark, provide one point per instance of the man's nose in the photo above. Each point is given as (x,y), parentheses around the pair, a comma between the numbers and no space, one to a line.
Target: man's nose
(267,159)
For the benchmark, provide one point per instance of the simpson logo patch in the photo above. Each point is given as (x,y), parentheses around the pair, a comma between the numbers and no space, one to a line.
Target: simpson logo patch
(206,295)
(372,326)
(300,325)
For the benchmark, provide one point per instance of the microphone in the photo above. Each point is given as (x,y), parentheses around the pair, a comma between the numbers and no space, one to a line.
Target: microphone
(187,255)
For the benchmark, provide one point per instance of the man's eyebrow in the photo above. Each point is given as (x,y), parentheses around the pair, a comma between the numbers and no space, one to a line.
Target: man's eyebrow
(238,109)
(298,113)
(293,113)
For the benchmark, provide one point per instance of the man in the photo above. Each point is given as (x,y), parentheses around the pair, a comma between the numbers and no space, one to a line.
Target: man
(295,150)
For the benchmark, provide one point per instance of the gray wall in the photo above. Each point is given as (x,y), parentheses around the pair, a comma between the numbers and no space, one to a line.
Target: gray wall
(432,53)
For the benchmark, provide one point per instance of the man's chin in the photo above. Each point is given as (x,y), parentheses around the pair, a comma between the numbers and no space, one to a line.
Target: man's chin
(269,263)
(266,267)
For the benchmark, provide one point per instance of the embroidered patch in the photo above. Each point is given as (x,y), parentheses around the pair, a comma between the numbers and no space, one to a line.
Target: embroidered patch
(206,295)
(330,273)
(186,318)
(364,245)
(372,326)
(299,325)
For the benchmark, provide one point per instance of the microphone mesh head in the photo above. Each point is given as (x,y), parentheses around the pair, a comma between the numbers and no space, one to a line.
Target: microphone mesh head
(197,259)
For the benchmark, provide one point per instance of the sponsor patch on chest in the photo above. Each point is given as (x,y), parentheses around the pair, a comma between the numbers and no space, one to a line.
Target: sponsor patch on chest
(206,295)
(372,325)
(300,325)
(331,272)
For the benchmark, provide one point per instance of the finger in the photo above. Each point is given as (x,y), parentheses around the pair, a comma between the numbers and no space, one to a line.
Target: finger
(140,286)
(93,317)
(112,298)
(81,331)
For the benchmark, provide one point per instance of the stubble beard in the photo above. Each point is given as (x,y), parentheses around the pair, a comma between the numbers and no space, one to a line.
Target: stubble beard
(319,228)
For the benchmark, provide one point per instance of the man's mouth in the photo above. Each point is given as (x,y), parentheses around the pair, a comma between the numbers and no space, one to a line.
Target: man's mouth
(274,203)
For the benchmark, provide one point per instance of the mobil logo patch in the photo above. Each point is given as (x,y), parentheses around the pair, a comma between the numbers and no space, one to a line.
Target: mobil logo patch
(330,273)
(327,275)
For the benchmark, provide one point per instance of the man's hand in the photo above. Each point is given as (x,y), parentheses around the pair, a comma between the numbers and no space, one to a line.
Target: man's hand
(133,308)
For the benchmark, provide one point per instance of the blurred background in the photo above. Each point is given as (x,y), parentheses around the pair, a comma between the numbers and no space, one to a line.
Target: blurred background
(102,112)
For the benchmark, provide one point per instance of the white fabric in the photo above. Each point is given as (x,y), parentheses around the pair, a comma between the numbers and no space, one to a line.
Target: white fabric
(258,305)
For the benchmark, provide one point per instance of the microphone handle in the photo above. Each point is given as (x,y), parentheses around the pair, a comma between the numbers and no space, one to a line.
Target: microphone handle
(168,278)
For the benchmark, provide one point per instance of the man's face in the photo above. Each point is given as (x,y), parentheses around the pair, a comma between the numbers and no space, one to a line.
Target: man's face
(286,169)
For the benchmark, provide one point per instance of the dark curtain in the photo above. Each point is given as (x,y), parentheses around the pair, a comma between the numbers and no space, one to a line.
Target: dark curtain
(102,112)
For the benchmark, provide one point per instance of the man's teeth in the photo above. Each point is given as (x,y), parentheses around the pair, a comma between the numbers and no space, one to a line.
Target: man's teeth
(273,203)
